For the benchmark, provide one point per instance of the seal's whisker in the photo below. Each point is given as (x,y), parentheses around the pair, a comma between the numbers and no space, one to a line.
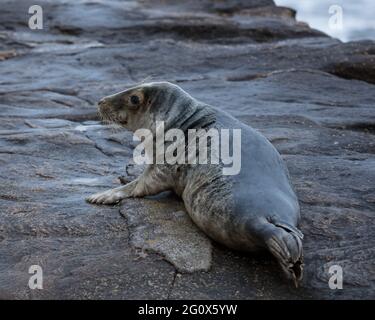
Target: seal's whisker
(147,79)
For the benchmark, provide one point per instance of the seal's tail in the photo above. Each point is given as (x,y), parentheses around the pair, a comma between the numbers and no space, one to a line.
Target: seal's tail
(285,243)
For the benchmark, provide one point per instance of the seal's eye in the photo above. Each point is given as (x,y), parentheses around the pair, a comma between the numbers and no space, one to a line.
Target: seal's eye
(134,99)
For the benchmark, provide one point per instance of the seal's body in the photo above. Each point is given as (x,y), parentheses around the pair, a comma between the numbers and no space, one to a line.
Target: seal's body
(255,209)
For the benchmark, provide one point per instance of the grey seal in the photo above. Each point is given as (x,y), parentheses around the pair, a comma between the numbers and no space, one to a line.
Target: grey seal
(253,210)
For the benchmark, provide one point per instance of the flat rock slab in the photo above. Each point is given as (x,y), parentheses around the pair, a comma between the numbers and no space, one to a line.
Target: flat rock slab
(310,95)
(163,226)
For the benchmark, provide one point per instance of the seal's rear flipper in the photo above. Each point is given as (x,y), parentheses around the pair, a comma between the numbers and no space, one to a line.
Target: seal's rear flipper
(285,244)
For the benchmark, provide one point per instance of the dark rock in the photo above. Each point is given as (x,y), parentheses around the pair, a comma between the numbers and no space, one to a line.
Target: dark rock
(297,86)
(358,67)
(228,6)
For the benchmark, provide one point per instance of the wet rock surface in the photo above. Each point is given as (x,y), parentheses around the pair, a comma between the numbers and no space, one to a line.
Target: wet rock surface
(163,226)
(311,95)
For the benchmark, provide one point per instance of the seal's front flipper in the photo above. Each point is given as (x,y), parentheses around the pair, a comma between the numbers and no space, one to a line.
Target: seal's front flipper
(150,182)
(113,196)
(284,242)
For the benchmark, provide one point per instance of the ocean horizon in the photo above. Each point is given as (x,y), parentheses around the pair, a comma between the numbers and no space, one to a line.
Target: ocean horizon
(357,21)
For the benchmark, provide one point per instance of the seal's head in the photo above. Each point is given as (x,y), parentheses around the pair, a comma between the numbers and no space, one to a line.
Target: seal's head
(143,105)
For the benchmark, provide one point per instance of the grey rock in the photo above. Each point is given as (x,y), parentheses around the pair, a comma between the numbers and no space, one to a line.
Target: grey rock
(165,227)
(311,95)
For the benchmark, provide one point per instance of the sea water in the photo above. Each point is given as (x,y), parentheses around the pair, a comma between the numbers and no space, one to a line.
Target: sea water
(346,20)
